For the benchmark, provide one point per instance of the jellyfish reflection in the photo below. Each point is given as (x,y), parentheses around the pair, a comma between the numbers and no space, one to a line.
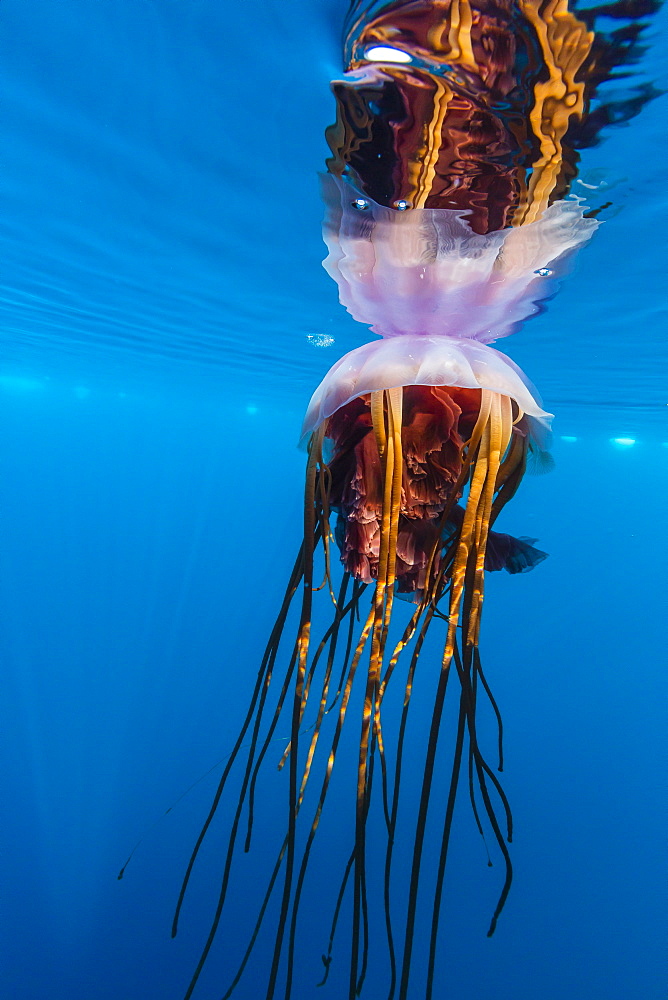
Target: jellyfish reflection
(446,228)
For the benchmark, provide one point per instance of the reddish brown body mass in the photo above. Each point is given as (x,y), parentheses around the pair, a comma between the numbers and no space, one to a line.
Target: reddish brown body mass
(436,423)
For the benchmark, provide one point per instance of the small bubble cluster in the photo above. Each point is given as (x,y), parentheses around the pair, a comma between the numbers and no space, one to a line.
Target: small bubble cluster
(320,339)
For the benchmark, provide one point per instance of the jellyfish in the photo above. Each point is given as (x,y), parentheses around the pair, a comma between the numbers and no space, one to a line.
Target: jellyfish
(448,224)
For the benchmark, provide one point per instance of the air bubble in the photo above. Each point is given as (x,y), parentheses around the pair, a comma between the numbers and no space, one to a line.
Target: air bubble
(320,339)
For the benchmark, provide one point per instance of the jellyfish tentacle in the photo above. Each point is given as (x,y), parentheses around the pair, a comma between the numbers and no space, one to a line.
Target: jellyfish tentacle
(436,582)
(324,486)
(315,453)
(465,546)
(474,804)
(377,403)
(500,429)
(499,449)
(265,746)
(333,632)
(493,703)
(331,636)
(306,576)
(258,922)
(363,888)
(420,827)
(345,697)
(342,610)
(445,841)
(391,811)
(395,407)
(358,590)
(305,856)
(231,842)
(484,772)
(406,638)
(327,959)
(392,474)
(395,796)
(265,670)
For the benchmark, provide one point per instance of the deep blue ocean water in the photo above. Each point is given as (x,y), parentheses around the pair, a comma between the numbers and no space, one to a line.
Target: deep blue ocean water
(162,296)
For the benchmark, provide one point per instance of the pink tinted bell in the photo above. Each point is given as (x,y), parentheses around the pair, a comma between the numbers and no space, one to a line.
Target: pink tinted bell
(424,271)
(420,360)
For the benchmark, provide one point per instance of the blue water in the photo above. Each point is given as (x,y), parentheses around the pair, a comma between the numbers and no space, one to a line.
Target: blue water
(160,282)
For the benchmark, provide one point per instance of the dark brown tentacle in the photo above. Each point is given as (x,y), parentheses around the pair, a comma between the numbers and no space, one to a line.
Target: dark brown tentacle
(258,923)
(314,739)
(265,746)
(465,552)
(477,666)
(358,589)
(365,907)
(331,760)
(327,959)
(265,670)
(303,641)
(421,826)
(445,843)
(392,456)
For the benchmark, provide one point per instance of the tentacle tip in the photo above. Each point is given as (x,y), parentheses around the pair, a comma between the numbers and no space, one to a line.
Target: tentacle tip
(510,838)
(489,864)
(326,961)
(121,873)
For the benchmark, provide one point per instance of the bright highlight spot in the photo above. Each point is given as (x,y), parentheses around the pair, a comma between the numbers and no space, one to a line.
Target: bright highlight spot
(569,438)
(19,384)
(383,53)
(251,410)
(623,442)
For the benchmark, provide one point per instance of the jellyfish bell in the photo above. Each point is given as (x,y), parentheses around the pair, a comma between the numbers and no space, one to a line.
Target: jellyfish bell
(426,272)
(425,360)
(447,398)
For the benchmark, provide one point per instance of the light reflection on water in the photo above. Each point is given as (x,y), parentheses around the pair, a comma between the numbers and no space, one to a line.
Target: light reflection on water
(151,222)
